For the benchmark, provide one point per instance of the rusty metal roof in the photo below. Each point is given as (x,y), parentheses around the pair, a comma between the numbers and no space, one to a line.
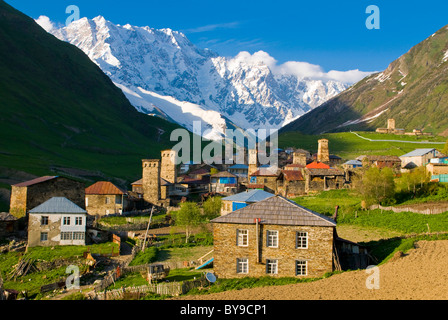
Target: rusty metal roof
(293,175)
(104,187)
(276,210)
(34,181)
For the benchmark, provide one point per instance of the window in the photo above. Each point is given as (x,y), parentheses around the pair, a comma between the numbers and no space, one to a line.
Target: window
(242,238)
(107,200)
(302,240)
(78,235)
(118,200)
(66,221)
(271,266)
(301,268)
(78,221)
(272,239)
(44,221)
(43,236)
(87,201)
(66,235)
(242,265)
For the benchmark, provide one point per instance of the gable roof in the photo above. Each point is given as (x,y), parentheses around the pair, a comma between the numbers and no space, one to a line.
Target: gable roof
(276,210)
(293,175)
(317,165)
(223,174)
(254,195)
(354,162)
(418,152)
(34,181)
(58,205)
(104,187)
(264,172)
(324,172)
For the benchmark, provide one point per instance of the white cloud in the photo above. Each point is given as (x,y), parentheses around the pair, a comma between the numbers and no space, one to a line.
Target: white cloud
(300,69)
(45,23)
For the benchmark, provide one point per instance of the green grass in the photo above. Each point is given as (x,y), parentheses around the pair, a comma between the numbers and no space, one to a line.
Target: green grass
(148,256)
(348,146)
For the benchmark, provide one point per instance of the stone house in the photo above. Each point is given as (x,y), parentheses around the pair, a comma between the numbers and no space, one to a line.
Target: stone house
(265,177)
(323,179)
(273,237)
(243,199)
(29,194)
(8,224)
(419,157)
(381,161)
(224,182)
(103,198)
(291,183)
(56,222)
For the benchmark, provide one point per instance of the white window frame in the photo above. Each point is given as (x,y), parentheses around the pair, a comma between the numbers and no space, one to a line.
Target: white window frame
(66,235)
(242,265)
(242,237)
(42,234)
(272,238)
(66,221)
(301,268)
(301,239)
(78,221)
(271,266)
(44,219)
(78,236)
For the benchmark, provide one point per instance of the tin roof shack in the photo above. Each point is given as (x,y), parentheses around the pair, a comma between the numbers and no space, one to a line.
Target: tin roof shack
(243,199)
(273,237)
(8,224)
(224,183)
(30,194)
(103,197)
(57,222)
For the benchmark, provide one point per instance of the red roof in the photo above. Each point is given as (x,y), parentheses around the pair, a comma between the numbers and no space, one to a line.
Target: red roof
(103,187)
(34,181)
(293,175)
(317,165)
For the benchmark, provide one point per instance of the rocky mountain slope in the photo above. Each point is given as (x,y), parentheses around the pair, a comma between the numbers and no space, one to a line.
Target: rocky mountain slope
(162,72)
(413,90)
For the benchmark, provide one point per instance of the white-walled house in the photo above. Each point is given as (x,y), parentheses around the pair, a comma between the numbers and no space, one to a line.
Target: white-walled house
(57,222)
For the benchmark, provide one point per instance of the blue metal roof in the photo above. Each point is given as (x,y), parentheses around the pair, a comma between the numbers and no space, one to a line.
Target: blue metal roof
(58,205)
(418,152)
(354,162)
(254,195)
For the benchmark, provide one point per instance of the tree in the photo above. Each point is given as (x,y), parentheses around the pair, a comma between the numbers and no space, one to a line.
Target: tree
(414,181)
(212,207)
(189,216)
(376,185)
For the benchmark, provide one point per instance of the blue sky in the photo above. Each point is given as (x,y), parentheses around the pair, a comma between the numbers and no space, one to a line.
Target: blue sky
(331,34)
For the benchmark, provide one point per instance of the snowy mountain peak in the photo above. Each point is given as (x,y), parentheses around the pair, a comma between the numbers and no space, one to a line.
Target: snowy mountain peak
(161,71)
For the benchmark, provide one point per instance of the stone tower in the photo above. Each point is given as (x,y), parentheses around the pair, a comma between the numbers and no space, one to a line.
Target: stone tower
(151,180)
(168,169)
(253,161)
(390,124)
(323,153)
(299,158)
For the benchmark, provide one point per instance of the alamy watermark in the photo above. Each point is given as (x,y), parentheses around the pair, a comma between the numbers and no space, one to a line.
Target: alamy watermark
(373,280)
(72,281)
(264,141)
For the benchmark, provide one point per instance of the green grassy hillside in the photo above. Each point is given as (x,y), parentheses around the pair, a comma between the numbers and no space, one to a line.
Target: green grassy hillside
(348,146)
(413,90)
(60,114)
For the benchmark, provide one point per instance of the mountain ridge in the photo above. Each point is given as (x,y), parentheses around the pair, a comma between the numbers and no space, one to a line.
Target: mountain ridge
(413,90)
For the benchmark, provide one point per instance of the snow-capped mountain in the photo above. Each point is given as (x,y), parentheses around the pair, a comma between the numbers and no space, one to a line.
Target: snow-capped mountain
(162,72)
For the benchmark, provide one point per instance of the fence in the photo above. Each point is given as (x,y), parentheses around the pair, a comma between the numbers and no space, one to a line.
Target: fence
(170,288)
(433,210)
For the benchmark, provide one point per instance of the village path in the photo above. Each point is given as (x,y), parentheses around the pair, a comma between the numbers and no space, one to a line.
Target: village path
(403,141)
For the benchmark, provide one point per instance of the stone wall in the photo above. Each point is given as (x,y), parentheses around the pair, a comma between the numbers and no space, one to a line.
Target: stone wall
(99,204)
(24,199)
(319,253)
(151,180)
(168,170)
